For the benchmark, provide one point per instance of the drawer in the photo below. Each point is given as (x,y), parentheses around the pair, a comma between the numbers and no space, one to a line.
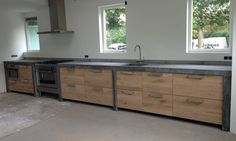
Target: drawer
(98,78)
(72,75)
(129,80)
(73,92)
(198,109)
(157,103)
(99,95)
(157,82)
(201,86)
(129,99)
(24,86)
(25,72)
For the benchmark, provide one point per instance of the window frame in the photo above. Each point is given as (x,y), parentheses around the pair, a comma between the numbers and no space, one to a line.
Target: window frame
(189,33)
(102,27)
(27,35)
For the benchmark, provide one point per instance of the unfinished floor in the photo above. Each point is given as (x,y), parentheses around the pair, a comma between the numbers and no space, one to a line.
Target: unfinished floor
(69,121)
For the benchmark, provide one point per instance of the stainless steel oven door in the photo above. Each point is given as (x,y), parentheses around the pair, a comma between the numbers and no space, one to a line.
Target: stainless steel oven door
(47,77)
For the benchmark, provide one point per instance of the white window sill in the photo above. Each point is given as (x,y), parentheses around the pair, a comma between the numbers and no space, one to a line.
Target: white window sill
(223,51)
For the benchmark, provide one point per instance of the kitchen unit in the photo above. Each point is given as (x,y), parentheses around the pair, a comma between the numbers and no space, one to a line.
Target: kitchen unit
(87,85)
(194,92)
(20,77)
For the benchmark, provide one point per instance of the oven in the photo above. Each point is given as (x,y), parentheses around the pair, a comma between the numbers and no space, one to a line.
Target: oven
(12,71)
(46,76)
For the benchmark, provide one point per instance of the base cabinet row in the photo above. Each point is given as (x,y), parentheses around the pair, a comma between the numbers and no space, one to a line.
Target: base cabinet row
(195,97)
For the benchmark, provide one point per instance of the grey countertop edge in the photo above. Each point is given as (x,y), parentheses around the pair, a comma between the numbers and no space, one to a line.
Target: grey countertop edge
(151,69)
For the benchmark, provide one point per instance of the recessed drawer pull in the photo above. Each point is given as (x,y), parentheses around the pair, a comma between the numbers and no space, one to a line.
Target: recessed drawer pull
(98,89)
(197,77)
(127,92)
(195,101)
(155,74)
(71,69)
(25,80)
(96,71)
(156,95)
(127,73)
(71,86)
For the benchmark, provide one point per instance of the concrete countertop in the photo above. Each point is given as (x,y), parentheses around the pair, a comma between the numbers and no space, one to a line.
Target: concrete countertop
(173,68)
(25,61)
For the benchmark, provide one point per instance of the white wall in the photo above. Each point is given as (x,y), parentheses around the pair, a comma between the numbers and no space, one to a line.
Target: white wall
(159,26)
(233,94)
(12,40)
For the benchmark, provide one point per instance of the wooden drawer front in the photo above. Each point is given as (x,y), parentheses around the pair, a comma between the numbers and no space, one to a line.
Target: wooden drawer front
(198,109)
(25,72)
(198,86)
(129,99)
(129,80)
(72,75)
(98,78)
(157,103)
(73,92)
(24,86)
(99,95)
(157,82)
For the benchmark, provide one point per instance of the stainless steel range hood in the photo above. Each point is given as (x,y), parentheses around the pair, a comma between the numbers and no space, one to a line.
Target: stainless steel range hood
(57,17)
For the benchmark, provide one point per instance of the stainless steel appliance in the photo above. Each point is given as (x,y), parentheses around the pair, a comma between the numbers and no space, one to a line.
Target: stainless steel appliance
(47,76)
(12,71)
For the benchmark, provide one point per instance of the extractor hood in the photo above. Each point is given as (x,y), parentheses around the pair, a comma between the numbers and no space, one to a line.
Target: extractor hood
(57,17)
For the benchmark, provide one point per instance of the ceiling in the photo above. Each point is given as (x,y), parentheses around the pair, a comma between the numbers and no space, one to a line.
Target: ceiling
(23,5)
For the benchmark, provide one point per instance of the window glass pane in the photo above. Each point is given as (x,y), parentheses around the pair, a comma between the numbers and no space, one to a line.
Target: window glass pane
(32,36)
(210,24)
(114,29)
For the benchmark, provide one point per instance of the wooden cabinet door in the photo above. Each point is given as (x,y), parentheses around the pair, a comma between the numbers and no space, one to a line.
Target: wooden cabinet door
(73,92)
(98,78)
(129,80)
(199,109)
(155,102)
(201,86)
(129,99)
(99,95)
(72,75)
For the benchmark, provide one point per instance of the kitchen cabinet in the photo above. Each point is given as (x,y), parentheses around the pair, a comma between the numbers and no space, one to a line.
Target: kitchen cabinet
(87,85)
(195,97)
(24,80)
(145,91)
(198,97)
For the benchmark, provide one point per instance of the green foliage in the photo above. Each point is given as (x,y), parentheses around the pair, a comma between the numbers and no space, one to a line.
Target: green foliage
(116,25)
(117,35)
(113,18)
(212,16)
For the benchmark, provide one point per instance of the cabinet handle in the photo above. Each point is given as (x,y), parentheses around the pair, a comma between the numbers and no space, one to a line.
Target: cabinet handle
(71,86)
(156,95)
(25,80)
(72,69)
(96,71)
(127,73)
(127,92)
(155,74)
(195,101)
(197,77)
(98,89)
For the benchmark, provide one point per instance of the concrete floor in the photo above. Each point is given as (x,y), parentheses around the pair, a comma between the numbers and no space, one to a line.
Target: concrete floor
(83,122)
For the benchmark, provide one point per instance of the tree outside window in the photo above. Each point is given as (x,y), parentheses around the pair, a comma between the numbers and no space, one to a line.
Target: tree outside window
(210,24)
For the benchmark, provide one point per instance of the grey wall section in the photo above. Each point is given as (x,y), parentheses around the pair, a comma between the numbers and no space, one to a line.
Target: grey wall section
(159,26)
(12,40)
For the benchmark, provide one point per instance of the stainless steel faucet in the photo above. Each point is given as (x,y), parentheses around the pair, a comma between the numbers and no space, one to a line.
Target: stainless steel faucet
(140,53)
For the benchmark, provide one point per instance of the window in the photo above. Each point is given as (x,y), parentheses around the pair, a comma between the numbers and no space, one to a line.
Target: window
(32,34)
(112,20)
(208,26)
